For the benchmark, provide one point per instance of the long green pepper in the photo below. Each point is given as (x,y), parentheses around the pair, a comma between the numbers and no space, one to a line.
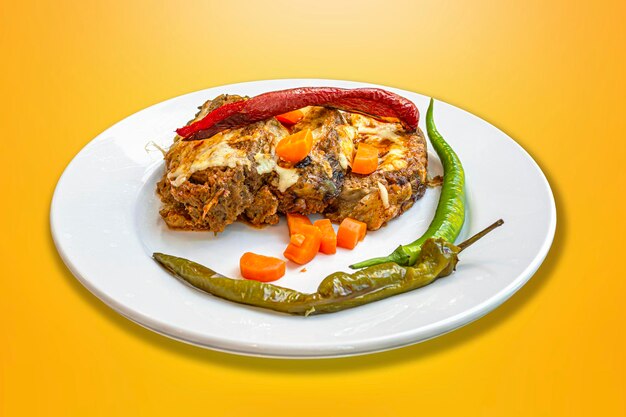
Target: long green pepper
(450,213)
(338,291)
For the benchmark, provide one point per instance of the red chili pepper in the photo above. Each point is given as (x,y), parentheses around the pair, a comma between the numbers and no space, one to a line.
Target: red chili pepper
(373,102)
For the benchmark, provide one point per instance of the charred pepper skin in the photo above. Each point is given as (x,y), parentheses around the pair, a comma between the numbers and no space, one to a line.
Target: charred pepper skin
(450,214)
(338,291)
(374,102)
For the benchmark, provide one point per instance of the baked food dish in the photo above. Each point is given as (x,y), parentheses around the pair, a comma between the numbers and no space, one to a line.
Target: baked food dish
(236,174)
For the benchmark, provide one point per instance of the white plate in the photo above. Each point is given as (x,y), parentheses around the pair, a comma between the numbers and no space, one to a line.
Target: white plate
(105,224)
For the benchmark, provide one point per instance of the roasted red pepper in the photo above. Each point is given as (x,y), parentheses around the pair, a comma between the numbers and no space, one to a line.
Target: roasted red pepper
(373,102)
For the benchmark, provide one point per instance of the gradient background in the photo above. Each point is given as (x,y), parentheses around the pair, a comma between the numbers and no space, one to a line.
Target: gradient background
(550,74)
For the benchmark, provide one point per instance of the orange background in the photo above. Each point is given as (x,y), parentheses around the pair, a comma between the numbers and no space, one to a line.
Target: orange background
(550,74)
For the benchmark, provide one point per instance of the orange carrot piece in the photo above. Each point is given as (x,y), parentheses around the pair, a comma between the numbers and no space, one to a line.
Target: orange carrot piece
(294,220)
(308,249)
(290,118)
(261,268)
(297,239)
(350,233)
(329,237)
(296,147)
(365,160)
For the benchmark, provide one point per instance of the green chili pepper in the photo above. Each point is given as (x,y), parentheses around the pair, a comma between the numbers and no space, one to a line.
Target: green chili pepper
(450,213)
(338,291)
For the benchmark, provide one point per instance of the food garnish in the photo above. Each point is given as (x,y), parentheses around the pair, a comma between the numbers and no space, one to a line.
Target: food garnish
(261,268)
(373,102)
(450,213)
(338,291)
(366,159)
(350,233)
(296,147)
(305,246)
(329,237)
(290,118)
(294,220)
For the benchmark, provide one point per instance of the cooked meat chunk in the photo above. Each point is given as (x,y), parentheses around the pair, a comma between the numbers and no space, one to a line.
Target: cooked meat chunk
(211,183)
(263,209)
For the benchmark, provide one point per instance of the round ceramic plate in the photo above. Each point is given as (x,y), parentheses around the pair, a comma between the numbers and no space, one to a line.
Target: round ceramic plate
(105,224)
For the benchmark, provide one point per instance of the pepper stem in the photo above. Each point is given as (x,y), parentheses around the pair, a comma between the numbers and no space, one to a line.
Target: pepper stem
(471,240)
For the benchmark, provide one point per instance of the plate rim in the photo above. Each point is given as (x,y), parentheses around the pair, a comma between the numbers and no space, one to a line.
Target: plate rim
(317,351)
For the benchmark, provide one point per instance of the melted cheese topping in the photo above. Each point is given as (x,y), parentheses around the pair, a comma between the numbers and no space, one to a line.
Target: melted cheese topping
(213,152)
(264,163)
(384,195)
(346,134)
(385,137)
(217,151)
(286,176)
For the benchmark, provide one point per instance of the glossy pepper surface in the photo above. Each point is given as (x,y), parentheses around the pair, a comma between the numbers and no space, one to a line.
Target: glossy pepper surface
(338,291)
(374,102)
